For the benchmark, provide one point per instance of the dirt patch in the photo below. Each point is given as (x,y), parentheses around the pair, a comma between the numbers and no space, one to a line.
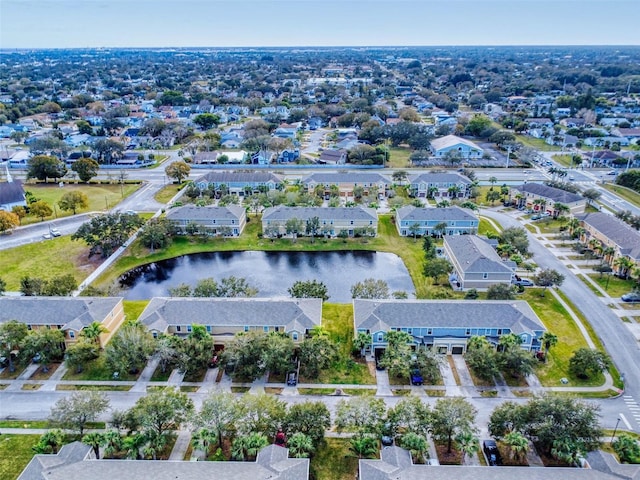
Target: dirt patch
(445,458)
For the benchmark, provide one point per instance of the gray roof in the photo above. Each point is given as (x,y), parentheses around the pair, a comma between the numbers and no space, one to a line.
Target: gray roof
(238,177)
(73,313)
(382,315)
(195,213)
(335,178)
(323,213)
(623,235)
(606,462)
(474,255)
(446,214)
(41,466)
(272,463)
(552,193)
(298,314)
(11,192)
(440,177)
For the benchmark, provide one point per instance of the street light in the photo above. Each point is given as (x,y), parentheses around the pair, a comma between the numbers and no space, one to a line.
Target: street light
(615,430)
(508,154)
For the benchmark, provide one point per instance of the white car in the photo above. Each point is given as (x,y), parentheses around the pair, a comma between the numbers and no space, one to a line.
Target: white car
(55,232)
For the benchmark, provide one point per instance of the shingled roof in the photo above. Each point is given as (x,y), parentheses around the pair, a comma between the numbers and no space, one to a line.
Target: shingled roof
(238,177)
(474,255)
(446,214)
(623,235)
(323,213)
(195,213)
(552,193)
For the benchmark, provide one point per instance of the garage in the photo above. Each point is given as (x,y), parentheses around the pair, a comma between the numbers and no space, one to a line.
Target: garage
(457,350)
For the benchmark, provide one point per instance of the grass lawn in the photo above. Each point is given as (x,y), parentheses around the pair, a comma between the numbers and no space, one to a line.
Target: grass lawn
(399,157)
(15,453)
(549,225)
(167,192)
(613,285)
(334,461)
(624,192)
(93,388)
(133,308)
(387,240)
(558,321)
(96,370)
(35,259)
(536,143)
(564,160)
(100,197)
(485,227)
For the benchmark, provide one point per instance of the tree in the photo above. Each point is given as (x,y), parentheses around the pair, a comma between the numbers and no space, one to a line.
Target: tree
(517,237)
(512,358)
(278,357)
(468,444)
(236,287)
(361,342)
(482,358)
(500,291)
(548,340)
(206,120)
(8,221)
(50,442)
(548,278)
(591,194)
(79,354)
(309,418)
(627,448)
(12,335)
(452,417)
(416,444)
(260,413)
(61,286)
(586,362)
(105,233)
(436,268)
(360,415)
(300,445)
(293,226)
(370,288)
(397,354)
(218,415)
(365,446)
(400,176)
(73,201)
(86,168)
(91,333)
(162,410)
(76,410)
(309,289)
(3,286)
(156,233)
(195,351)
(414,229)
(108,150)
(312,227)
(517,443)
(43,167)
(20,212)
(316,354)
(242,356)
(129,349)
(40,209)
(246,447)
(178,171)
(94,440)
(492,196)
(47,343)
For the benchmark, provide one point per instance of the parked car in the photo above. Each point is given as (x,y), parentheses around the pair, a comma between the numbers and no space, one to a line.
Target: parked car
(490,448)
(612,172)
(416,377)
(37,358)
(292,379)
(536,217)
(631,297)
(47,236)
(55,232)
(525,282)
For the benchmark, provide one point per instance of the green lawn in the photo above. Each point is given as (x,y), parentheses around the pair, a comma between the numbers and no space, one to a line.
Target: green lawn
(37,260)
(100,197)
(399,157)
(167,192)
(133,308)
(485,227)
(624,193)
(613,285)
(558,321)
(96,370)
(549,225)
(536,143)
(334,461)
(15,453)
(564,160)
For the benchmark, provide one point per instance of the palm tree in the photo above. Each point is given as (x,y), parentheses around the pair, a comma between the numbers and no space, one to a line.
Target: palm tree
(493,181)
(517,443)
(364,446)
(132,444)
(414,228)
(541,204)
(94,440)
(440,228)
(112,442)
(92,332)
(608,253)
(300,445)
(454,190)
(467,444)
(559,209)
(416,444)
(548,340)
(154,444)
(573,224)
(624,264)
(595,245)
(201,440)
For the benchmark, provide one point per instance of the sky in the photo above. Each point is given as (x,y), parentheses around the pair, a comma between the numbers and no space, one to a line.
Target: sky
(225,23)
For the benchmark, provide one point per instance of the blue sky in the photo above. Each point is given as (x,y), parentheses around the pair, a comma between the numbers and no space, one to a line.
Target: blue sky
(157,23)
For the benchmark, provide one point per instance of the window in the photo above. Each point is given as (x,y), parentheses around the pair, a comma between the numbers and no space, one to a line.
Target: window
(265,329)
(72,334)
(294,335)
(499,331)
(351,222)
(485,276)
(28,327)
(379,337)
(208,328)
(178,328)
(468,332)
(246,328)
(154,334)
(429,331)
(277,329)
(189,328)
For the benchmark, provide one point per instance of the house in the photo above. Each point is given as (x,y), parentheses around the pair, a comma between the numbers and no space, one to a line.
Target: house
(447,325)
(458,221)
(333,157)
(226,221)
(528,194)
(611,232)
(332,220)
(239,183)
(441,147)
(347,182)
(475,263)
(69,314)
(395,463)
(440,184)
(11,193)
(76,461)
(225,317)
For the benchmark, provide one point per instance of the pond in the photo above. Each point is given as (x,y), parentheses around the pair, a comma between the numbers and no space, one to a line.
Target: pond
(272,273)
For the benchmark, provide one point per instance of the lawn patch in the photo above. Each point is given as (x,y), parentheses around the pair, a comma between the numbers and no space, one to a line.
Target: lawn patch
(15,454)
(97,370)
(316,391)
(94,388)
(31,386)
(614,286)
(334,461)
(133,308)
(166,193)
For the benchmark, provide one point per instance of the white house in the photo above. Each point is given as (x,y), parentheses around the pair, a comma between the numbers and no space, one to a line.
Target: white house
(440,147)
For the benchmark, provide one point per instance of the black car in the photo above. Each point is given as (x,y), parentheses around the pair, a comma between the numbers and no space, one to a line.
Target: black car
(292,379)
(490,448)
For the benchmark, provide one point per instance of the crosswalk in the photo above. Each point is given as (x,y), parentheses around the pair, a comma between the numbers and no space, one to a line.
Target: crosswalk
(633,406)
